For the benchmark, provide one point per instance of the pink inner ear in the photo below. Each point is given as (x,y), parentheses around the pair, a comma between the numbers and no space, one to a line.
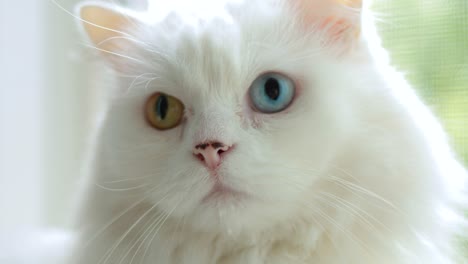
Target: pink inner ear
(335,17)
(338,27)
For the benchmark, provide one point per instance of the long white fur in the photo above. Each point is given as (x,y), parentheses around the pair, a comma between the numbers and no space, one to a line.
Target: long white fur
(357,170)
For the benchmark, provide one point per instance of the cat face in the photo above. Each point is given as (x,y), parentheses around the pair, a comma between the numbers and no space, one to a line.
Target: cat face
(231,121)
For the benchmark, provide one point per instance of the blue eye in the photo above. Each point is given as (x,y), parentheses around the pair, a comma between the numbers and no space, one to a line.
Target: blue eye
(272,92)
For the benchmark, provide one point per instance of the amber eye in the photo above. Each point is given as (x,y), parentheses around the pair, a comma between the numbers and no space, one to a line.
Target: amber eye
(164,111)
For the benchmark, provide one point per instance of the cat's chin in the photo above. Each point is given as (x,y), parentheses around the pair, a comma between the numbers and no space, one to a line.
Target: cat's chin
(233,213)
(221,205)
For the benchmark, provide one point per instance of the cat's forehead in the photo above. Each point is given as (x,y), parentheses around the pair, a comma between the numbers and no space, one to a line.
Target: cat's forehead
(216,60)
(189,10)
(204,55)
(211,56)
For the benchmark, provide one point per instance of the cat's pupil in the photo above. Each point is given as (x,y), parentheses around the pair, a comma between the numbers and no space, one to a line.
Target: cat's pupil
(272,88)
(162,106)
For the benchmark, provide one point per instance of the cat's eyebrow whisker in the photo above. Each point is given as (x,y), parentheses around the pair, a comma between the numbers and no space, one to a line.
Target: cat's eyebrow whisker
(134,40)
(144,45)
(149,82)
(116,54)
(137,78)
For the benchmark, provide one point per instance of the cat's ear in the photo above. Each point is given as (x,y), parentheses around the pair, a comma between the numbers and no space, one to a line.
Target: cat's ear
(107,27)
(339,19)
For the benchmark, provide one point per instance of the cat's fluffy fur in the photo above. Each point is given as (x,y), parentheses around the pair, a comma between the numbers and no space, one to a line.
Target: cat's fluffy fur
(356,170)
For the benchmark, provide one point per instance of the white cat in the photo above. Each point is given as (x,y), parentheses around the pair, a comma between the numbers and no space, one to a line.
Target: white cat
(261,131)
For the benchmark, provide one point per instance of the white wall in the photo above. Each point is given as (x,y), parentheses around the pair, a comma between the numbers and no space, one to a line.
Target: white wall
(21,85)
(44,90)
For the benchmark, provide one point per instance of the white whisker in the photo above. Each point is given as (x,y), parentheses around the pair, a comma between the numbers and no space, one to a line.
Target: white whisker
(149,226)
(362,214)
(85,21)
(116,54)
(113,220)
(354,187)
(122,189)
(160,225)
(137,78)
(109,252)
(129,179)
(339,227)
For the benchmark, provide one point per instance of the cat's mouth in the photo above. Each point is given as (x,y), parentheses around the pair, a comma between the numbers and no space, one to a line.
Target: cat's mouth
(222,192)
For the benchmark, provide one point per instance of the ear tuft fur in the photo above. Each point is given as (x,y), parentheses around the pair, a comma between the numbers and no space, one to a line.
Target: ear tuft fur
(339,19)
(106,27)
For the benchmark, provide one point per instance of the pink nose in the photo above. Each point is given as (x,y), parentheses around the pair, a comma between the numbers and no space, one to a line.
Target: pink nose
(210,153)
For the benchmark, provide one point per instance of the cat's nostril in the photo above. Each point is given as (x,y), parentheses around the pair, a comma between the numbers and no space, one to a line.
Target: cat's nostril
(210,153)
(200,157)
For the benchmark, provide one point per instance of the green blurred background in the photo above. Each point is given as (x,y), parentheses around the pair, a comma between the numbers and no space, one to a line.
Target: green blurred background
(428,41)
